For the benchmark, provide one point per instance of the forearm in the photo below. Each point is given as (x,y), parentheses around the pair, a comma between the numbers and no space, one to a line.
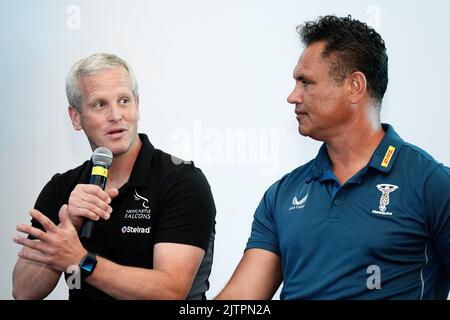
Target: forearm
(33,280)
(257,277)
(122,282)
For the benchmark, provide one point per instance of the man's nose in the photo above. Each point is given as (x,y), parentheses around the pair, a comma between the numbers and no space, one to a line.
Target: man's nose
(114,112)
(295,97)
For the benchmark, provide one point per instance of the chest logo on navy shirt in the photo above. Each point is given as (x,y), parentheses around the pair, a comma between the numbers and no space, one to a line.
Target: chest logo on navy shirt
(298,204)
(141,212)
(385,189)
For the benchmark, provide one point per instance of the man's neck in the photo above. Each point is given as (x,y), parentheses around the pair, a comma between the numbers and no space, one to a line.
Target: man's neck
(122,165)
(351,151)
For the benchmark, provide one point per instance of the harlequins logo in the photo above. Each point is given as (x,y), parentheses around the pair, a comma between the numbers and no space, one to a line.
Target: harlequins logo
(385,189)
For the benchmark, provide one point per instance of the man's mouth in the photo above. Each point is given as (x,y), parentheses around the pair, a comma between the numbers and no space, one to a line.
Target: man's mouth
(300,114)
(116,132)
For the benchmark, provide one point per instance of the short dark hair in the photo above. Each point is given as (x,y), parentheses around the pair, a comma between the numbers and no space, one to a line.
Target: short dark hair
(352,46)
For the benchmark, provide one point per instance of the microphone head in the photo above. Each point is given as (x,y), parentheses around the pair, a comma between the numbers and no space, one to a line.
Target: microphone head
(102,156)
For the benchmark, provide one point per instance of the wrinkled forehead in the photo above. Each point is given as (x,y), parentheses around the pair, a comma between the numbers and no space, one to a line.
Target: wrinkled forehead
(106,78)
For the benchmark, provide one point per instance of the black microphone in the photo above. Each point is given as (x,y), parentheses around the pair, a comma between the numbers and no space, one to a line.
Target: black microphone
(101,159)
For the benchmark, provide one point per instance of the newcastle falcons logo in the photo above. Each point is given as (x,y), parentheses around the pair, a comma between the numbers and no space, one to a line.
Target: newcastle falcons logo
(141,213)
(384,200)
(138,197)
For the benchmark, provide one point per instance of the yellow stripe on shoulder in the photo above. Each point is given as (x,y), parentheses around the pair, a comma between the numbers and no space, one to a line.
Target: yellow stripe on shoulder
(388,156)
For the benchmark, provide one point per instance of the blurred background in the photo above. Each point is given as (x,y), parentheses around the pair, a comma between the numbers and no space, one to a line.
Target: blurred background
(214,77)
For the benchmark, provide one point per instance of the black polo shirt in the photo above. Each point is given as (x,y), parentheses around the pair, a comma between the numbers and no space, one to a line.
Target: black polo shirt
(163,201)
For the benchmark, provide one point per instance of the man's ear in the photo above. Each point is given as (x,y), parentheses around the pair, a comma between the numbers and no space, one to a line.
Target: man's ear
(74,115)
(137,107)
(358,86)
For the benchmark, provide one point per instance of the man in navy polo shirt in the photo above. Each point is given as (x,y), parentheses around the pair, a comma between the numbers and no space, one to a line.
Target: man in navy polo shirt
(154,223)
(369,217)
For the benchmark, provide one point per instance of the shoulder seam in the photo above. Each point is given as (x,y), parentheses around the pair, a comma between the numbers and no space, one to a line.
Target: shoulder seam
(422,153)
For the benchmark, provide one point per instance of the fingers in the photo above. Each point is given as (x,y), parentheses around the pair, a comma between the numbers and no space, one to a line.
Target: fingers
(64,217)
(113,192)
(81,212)
(93,190)
(35,232)
(32,244)
(89,201)
(43,220)
(91,208)
(94,204)
(33,255)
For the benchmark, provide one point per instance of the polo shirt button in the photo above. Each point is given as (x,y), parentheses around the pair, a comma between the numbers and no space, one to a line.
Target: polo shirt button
(337,202)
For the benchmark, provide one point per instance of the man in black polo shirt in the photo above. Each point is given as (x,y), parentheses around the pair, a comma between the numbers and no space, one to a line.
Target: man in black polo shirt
(154,223)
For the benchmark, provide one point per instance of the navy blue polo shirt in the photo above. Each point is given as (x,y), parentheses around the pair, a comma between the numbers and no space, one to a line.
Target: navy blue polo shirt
(384,234)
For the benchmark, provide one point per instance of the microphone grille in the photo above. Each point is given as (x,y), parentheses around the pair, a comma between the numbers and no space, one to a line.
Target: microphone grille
(102,156)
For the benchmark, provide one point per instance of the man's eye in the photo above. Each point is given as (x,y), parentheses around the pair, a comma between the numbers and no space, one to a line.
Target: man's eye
(99,104)
(124,100)
(305,83)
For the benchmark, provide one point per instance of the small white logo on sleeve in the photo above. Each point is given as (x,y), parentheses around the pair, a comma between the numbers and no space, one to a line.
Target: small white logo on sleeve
(385,189)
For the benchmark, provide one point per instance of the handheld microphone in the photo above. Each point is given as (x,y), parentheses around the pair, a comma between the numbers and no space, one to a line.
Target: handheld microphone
(101,158)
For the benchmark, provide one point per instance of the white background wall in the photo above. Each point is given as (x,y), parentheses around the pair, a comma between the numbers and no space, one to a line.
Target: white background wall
(209,71)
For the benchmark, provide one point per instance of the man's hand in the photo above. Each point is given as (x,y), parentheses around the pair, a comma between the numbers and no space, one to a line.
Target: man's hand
(91,202)
(58,247)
